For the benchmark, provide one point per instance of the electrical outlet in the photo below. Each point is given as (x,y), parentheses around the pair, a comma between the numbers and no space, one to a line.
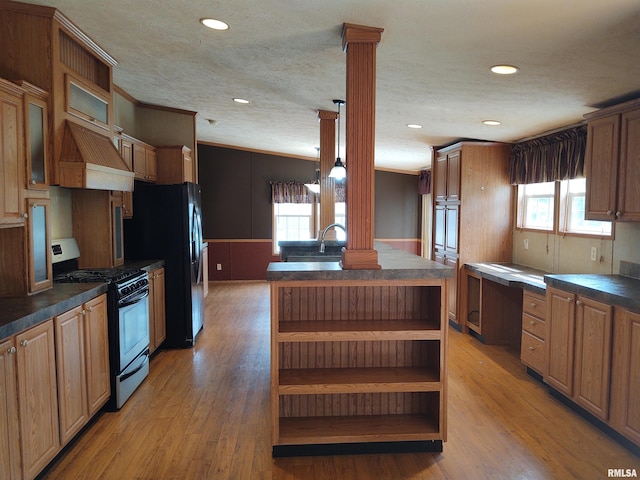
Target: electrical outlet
(526,244)
(219,266)
(594,254)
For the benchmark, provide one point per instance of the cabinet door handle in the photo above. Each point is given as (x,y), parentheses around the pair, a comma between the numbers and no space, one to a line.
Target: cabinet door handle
(11,350)
(531,348)
(24,343)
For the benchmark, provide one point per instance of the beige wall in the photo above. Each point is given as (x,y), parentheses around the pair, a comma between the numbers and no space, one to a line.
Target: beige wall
(558,254)
(61,216)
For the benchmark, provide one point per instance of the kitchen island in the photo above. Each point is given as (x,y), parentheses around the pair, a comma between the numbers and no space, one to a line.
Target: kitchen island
(359,357)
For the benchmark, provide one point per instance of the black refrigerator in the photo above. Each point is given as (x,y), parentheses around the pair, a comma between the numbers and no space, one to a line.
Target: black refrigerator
(167,224)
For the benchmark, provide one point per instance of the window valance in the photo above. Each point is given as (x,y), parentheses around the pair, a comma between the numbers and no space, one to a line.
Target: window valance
(559,156)
(291,192)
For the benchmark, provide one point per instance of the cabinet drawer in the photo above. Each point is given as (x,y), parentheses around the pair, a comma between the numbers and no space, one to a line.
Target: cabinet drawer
(532,352)
(535,305)
(534,325)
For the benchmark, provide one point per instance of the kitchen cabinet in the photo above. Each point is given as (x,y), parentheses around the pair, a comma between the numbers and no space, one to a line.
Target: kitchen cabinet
(37,397)
(578,359)
(125,148)
(358,361)
(472,210)
(36,132)
(534,330)
(71,364)
(157,312)
(97,227)
(145,164)
(96,334)
(11,154)
(82,360)
(9,429)
(625,375)
(39,244)
(175,164)
(612,163)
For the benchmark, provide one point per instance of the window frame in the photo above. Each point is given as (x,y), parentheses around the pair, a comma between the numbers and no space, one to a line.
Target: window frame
(521,209)
(313,223)
(564,214)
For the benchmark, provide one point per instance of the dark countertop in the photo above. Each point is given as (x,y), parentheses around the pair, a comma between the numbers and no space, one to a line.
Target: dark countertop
(20,313)
(616,290)
(511,275)
(395,265)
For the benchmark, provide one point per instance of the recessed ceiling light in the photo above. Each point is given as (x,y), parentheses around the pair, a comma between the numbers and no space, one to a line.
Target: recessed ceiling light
(241,100)
(504,69)
(414,125)
(491,122)
(214,24)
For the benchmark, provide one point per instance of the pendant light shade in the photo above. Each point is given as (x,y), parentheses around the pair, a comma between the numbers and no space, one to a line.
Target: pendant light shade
(338,172)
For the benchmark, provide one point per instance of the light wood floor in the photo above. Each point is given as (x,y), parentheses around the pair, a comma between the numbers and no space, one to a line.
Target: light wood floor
(203,413)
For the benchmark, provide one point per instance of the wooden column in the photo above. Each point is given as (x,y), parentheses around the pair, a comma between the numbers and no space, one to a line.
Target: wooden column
(360,42)
(327,160)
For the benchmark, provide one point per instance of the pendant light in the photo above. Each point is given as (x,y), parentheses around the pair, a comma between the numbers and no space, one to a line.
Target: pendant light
(339,172)
(315,185)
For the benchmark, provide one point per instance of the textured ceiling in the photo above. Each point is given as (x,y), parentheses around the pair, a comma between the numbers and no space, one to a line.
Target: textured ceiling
(286,57)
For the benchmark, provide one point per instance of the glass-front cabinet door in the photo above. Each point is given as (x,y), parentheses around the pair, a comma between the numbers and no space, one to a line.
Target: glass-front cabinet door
(40,276)
(36,140)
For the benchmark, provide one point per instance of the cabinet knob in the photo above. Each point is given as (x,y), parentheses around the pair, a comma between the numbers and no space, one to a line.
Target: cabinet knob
(25,215)
(33,182)
(533,322)
(33,205)
(578,302)
(11,350)
(533,305)
(531,348)
(609,212)
(89,309)
(618,214)
(569,299)
(24,343)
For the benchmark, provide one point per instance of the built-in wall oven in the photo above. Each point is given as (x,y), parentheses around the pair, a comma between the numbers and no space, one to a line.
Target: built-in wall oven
(128,319)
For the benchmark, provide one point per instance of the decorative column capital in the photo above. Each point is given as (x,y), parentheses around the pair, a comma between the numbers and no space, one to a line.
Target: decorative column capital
(352,33)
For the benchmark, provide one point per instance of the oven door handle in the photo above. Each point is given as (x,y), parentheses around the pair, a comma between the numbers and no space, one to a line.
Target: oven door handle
(139,297)
(145,357)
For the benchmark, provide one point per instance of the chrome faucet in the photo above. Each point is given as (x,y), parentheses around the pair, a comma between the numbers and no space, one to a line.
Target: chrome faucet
(324,232)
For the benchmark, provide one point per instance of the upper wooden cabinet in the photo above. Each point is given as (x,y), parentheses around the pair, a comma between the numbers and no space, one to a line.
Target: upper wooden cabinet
(63,61)
(98,227)
(36,137)
(472,210)
(175,164)
(144,161)
(612,163)
(11,154)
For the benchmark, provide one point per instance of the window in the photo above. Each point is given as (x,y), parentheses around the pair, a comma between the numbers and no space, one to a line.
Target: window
(572,200)
(341,218)
(293,221)
(536,205)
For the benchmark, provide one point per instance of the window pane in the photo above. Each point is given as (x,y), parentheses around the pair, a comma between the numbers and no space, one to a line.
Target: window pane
(537,203)
(577,222)
(292,221)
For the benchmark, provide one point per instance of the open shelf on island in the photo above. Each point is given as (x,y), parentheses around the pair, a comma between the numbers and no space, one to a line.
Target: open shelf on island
(339,330)
(355,380)
(361,428)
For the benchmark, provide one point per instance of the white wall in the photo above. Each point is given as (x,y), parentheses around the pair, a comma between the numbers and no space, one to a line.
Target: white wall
(559,254)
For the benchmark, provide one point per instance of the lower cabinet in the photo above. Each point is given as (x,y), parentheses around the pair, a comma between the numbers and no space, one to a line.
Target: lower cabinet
(82,353)
(625,375)
(53,378)
(9,429)
(579,349)
(157,316)
(37,397)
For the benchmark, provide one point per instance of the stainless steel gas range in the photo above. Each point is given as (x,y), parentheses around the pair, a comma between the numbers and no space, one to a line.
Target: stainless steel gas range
(128,318)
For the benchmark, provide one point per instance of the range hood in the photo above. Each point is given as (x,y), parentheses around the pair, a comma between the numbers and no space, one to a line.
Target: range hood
(90,160)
